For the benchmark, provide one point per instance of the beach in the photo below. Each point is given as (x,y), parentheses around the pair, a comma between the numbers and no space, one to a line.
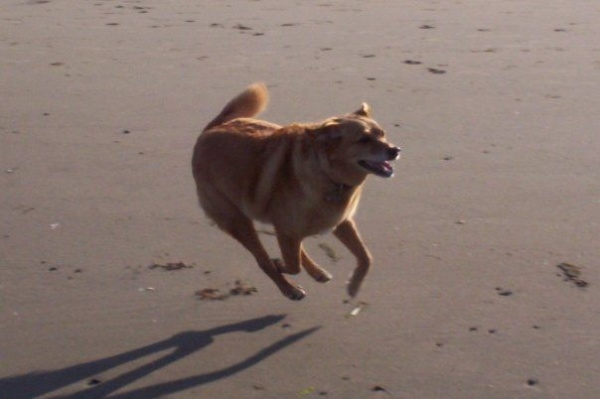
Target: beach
(113,283)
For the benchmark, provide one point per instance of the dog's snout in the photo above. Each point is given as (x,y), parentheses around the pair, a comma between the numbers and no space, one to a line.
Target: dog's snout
(394,152)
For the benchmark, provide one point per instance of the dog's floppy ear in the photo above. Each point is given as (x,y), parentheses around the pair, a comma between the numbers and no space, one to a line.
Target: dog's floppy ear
(327,134)
(364,110)
(327,130)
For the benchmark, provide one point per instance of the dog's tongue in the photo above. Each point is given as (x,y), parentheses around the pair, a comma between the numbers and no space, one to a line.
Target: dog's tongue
(386,166)
(381,168)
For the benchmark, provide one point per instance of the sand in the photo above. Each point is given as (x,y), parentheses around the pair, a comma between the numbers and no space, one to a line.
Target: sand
(103,249)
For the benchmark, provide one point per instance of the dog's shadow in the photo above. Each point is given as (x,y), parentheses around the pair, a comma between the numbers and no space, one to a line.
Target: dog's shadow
(184,344)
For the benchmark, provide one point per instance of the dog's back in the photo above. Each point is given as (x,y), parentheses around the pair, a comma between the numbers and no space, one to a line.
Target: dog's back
(229,157)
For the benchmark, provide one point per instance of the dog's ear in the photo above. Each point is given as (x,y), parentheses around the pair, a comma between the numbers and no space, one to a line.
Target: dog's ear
(327,135)
(364,110)
(330,129)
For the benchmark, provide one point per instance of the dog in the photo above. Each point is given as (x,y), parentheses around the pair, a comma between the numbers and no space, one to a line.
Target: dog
(303,179)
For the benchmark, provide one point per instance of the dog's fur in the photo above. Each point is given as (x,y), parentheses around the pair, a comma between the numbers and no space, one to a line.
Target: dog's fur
(304,179)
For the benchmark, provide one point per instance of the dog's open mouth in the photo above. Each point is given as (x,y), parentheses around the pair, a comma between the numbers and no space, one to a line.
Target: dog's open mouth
(383,169)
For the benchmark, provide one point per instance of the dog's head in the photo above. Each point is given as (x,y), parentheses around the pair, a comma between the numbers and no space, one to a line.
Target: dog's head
(352,146)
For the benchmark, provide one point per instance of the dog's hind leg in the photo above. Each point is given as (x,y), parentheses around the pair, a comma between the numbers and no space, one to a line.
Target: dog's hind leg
(240,227)
(243,231)
(315,271)
(346,232)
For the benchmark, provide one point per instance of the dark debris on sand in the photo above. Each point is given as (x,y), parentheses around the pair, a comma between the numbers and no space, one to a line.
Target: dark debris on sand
(215,294)
(170,266)
(572,273)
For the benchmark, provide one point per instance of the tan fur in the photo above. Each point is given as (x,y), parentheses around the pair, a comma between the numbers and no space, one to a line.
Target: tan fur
(304,179)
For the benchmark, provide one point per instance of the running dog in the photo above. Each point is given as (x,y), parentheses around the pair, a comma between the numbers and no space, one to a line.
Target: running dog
(304,179)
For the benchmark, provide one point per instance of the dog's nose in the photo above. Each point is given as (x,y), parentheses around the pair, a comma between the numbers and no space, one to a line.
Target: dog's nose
(394,152)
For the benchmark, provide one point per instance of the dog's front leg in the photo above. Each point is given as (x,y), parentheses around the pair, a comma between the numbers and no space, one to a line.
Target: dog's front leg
(291,248)
(346,232)
(315,271)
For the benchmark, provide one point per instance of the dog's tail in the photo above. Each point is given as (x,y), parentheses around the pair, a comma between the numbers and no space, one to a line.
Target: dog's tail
(247,104)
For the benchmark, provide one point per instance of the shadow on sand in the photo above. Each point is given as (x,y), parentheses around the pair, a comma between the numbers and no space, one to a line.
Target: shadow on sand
(184,344)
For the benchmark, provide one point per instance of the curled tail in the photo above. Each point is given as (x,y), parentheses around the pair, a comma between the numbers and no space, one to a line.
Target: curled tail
(247,104)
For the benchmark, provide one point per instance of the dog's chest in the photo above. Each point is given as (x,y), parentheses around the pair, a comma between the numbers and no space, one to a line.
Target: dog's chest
(323,216)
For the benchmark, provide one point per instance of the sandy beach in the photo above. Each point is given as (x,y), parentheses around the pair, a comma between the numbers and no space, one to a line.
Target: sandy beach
(486,242)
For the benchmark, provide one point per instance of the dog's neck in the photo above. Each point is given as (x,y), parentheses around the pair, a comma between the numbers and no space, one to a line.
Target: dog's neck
(338,192)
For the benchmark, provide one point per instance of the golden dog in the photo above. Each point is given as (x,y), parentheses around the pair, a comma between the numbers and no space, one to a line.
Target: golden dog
(304,179)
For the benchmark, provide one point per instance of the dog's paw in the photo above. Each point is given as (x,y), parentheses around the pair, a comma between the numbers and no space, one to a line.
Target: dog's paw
(354,284)
(295,293)
(320,275)
(353,289)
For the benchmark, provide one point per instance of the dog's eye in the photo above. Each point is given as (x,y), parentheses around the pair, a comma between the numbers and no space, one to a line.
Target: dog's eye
(364,140)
